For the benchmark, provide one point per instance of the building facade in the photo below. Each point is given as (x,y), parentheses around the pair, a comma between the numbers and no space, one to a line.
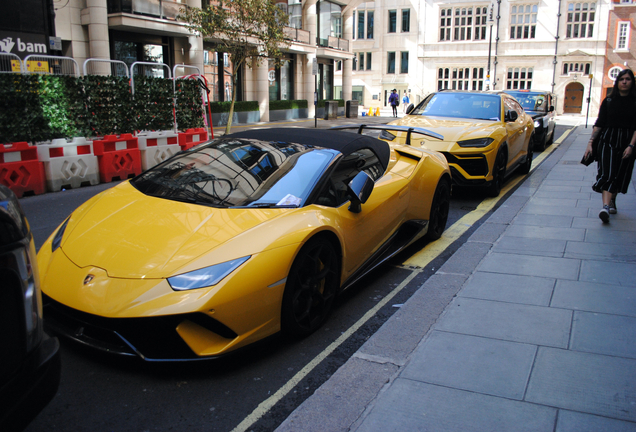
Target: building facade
(554,45)
(621,41)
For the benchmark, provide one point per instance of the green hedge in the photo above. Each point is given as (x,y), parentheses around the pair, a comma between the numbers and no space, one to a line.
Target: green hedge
(239,106)
(287,104)
(43,107)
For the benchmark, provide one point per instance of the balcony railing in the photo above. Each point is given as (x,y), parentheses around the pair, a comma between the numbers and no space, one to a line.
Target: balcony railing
(165,9)
(297,35)
(334,42)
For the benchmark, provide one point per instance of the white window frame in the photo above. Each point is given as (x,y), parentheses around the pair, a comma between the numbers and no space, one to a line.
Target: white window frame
(460,78)
(521,78)
(524,17)
(623,29)
(613,72)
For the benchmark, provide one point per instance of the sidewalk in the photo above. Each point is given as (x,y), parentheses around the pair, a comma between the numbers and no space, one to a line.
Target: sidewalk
(538,332)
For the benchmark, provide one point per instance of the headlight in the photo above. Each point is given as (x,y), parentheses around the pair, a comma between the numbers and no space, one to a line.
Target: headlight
(479,142)
(537,123)
(386,135)
(205,277)
(57,240)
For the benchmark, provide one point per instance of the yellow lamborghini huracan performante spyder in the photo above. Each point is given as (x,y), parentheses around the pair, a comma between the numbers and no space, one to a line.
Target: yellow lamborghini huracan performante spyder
(237,239)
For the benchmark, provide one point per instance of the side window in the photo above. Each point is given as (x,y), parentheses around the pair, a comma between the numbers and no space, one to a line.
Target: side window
(511,105)
(336,193)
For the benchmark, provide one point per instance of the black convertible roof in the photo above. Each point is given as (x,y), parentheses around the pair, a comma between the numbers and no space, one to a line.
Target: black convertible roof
(344,142)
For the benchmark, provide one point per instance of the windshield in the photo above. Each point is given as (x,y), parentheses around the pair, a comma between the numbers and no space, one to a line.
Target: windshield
(462,105)
(530,101)
(239,172)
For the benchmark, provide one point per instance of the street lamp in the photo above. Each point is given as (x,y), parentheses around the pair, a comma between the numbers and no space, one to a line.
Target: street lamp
(491,20)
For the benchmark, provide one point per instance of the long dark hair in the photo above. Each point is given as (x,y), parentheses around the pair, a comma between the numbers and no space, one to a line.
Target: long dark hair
(632,91)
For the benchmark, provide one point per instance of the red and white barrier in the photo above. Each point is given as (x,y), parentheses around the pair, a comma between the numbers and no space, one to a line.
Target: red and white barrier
(156,147)
(118,157)
(20,169)
(192,137)
(68,164)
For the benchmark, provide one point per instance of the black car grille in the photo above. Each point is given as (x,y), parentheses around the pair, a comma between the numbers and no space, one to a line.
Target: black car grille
(151,338)
(474,165)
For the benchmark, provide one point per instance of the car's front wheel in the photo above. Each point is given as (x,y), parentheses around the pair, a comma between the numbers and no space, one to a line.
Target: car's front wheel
(439,210)
(311,288)
(498,174)
(527,165)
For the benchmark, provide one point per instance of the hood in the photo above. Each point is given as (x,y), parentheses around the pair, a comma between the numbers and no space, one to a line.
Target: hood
(131,235)
(451,129)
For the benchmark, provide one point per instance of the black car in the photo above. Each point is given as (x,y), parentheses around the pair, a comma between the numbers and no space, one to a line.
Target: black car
(30,361)
(540,105)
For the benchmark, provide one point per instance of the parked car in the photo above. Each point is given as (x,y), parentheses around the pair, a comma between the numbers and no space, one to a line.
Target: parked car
(236,239)
(540,105)
(486,136)
(30,360)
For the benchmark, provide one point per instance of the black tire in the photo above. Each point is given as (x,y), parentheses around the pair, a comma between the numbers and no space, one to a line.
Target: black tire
(439,210)
(527,165)
(312,285)
(499,174)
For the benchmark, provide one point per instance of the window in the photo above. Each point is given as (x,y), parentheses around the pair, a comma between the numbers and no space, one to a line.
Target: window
(463,24)
(580,23)
(392,21)
(613,72)
(329,21)
(460,78)
(583,68)
(370,25)
(336,192)
(406,20)
(361,61)
(523,21)
(390,63)
(368,61)
(295,10)
(360,24)
(519,79)
(339,65)
(404,62)
(622,36)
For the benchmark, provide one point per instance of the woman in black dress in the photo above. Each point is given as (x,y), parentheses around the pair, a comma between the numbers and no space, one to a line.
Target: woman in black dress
(616,129)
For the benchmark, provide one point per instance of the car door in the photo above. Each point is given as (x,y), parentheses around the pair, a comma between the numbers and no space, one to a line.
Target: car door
(516,129)
(381,215)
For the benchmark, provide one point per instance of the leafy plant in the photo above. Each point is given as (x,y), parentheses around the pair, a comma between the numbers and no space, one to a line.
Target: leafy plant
(188,104)
(250,31)
(287,104)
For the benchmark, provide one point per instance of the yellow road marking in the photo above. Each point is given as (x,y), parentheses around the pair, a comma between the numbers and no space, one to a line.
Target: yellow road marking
(430,252)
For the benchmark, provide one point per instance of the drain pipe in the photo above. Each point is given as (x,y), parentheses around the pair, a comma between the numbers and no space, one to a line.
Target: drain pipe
(556,47)
(494,86)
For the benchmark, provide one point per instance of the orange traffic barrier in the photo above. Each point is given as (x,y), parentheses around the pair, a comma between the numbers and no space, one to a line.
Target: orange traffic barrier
(192,137)
(118,157)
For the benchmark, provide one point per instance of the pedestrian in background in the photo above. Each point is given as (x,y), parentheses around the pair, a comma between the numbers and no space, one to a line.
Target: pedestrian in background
(405,102)
(615,129)
(394,101)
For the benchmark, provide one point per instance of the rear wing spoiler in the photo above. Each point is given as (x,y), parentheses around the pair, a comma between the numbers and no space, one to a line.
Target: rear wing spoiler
(408,129)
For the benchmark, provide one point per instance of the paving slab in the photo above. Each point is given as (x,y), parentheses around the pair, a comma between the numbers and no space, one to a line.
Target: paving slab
(540,220)
(594,297)
(466,258)
(619,238)
(569,202)
(584,382)
(548,233)
(530,246)
(539,209)
(558,195)
(599,251)
(414,406)
(570,421)
(604,334)
(613,273)
(488,232)
(509,288)
(616,223)
(528,265)
(483,365)
(507,321)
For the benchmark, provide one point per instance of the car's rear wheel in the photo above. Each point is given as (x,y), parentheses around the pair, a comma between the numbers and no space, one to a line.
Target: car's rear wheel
(311,288)
(439,210)
(498,174)
(527,165)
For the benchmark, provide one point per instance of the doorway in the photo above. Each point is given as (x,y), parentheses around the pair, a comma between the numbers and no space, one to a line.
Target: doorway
(573,102)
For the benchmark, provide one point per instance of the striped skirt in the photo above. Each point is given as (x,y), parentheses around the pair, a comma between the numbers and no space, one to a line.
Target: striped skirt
(614,172)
